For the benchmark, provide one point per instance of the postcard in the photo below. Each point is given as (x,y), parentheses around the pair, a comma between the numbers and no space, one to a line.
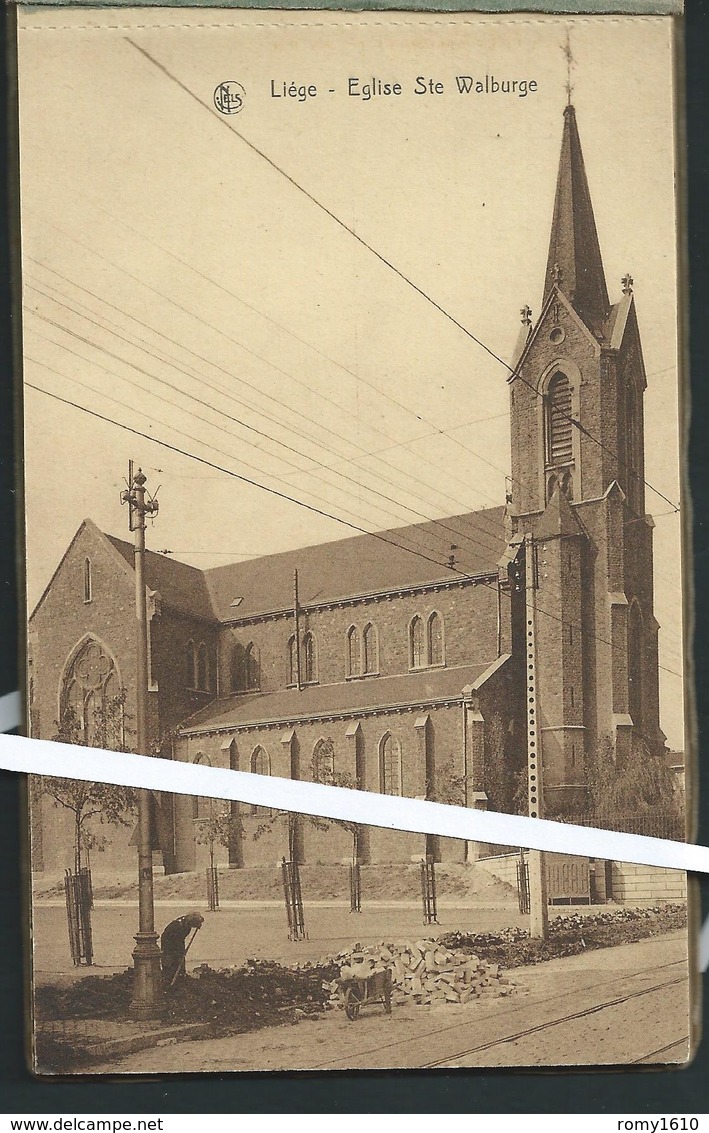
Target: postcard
(353,436)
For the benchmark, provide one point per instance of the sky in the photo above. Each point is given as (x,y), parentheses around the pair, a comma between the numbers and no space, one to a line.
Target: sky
(178,283)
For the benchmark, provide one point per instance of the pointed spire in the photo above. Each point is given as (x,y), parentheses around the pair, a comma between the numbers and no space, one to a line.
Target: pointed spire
(574,264)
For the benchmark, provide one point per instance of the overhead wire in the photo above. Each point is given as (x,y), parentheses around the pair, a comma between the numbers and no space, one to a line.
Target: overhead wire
(383,259)
(218,388)
(486,547)
(374,534)
(196,440)
(236,475)
(268,362)
(228,393)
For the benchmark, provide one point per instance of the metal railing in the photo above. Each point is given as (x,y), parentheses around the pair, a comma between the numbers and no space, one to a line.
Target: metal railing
(523,884)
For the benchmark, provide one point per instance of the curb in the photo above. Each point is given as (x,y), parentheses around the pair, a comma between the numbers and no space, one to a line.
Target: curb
(164,1037)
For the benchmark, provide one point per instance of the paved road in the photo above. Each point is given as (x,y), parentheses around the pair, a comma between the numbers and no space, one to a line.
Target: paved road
(618,1005)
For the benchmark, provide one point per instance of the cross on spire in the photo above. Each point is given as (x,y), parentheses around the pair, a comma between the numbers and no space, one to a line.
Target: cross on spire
(627,283)
(526,313)
(568,55)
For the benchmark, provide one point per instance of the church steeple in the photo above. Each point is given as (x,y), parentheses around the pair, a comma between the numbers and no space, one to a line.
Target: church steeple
(574,263)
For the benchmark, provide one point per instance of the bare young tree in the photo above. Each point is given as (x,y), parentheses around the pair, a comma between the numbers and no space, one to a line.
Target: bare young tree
(219,828)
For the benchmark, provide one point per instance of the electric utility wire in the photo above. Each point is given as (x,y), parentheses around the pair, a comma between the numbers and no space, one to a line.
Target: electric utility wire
(406,279)
(262,470)
(261,358)
(173,428)
(305,471)
(213,424)
(221,452)
(413,549)
(230,472)
(385,511)
(254,483)
(341,458)
(286,330)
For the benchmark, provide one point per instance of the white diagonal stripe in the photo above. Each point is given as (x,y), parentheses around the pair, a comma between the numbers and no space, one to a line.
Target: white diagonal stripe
(70,761)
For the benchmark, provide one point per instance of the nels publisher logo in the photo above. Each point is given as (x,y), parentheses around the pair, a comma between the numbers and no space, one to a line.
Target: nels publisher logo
(229,97)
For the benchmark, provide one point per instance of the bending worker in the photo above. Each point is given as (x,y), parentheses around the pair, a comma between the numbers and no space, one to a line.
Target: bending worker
(172,944)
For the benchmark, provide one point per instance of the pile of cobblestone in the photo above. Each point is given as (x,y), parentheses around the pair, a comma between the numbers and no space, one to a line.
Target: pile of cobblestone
(423,971)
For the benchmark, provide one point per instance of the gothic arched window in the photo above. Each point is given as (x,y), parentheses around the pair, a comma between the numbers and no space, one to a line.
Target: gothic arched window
(559,427)
(202,807)
(632,479)
(324,761)
(252,668)
(88,581)
(191,665)
(353,654)
(238,676)
(202,681)
(370,649)
(260,765)
(310,659)
(416,643)
(390,765)
(292,661)
(92,698)
(434,639)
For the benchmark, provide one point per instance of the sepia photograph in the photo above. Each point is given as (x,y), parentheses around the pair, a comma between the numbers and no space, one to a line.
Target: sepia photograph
(353,450)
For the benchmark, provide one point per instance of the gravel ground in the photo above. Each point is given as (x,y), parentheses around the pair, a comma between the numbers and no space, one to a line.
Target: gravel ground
(395,882)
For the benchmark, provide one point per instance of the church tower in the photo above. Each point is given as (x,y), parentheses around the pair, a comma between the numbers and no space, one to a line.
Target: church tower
(578,488)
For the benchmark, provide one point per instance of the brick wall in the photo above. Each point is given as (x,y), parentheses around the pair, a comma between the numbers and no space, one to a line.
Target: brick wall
(469,616)
(61,622)
(446,739)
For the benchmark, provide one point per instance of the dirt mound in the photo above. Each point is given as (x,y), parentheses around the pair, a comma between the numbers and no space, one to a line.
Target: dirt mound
(397,882)
(236,999)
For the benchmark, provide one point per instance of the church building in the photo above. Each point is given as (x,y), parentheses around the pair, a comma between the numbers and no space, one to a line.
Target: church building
(378,661)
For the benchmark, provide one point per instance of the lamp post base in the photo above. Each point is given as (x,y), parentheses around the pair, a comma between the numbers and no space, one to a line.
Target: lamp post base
(147,980)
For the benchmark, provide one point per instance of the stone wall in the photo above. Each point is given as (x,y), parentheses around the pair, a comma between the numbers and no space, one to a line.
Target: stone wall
(632,884)
(643,884)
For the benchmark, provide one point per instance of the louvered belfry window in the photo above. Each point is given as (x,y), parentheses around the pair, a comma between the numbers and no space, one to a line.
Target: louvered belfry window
(559,426)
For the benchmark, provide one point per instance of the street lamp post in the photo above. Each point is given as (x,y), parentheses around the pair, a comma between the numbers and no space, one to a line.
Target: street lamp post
(147,980)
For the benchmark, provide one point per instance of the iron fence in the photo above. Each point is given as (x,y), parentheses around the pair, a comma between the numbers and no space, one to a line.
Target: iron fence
(651,823)
(523,884)
(78,894)
(294,900)
(212,889)
(355,888)
(428,892)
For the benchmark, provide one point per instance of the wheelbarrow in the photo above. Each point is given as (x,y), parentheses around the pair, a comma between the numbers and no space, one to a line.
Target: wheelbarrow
(357,992)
